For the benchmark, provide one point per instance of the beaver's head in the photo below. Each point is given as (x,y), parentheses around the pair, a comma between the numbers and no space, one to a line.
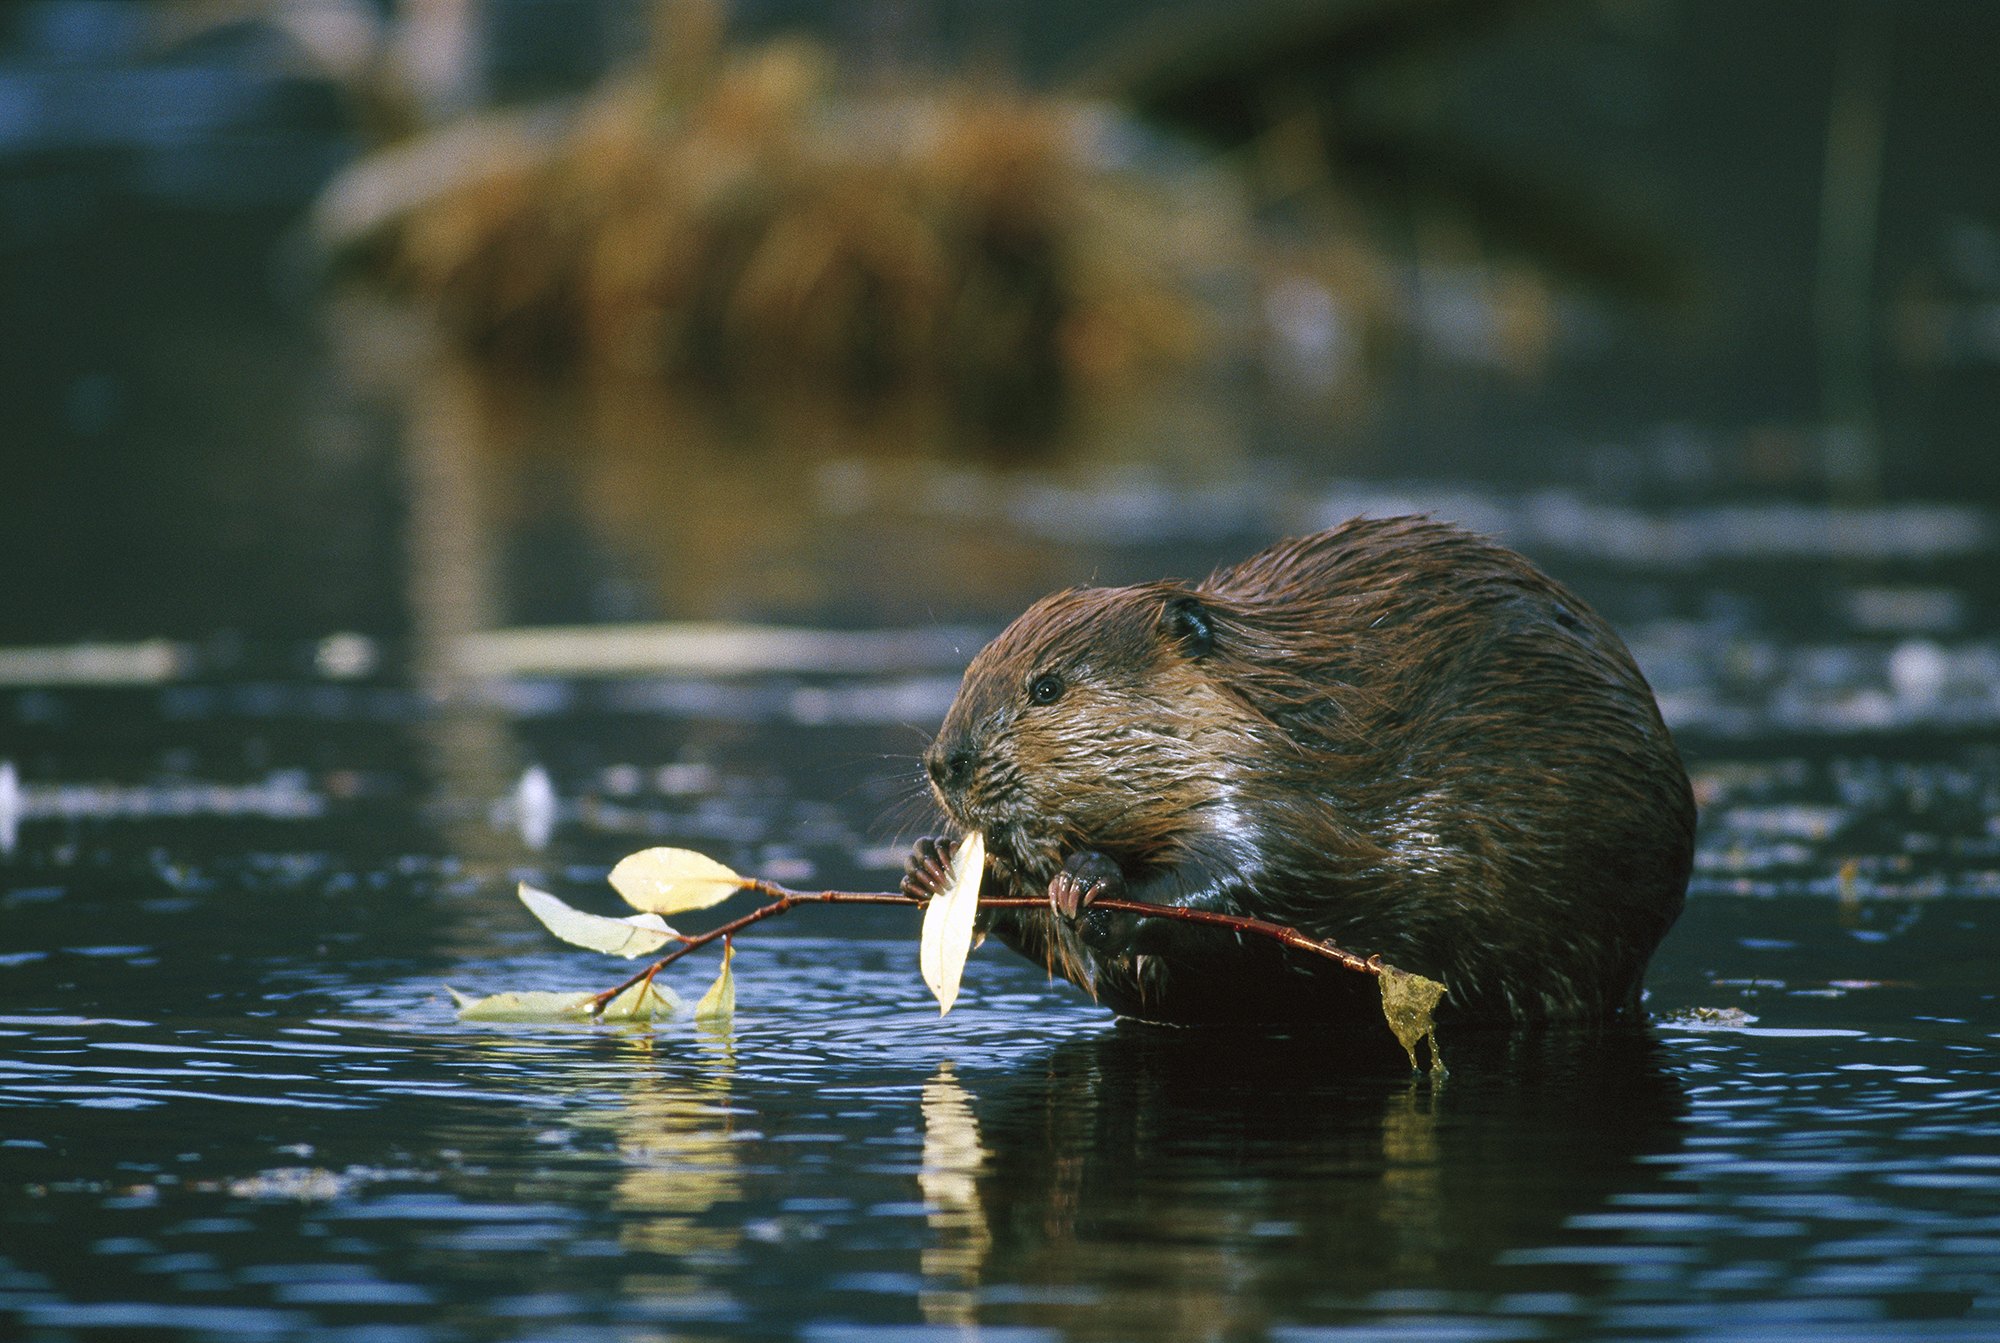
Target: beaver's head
(1092,722)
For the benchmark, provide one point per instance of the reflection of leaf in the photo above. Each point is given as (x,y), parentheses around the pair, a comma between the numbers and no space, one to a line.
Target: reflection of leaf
(677,1160)
(533,1006)
(1407,1001)
(633,936)
(947,935)
(953,1153)
(718,1005)
(953,1156)
(668,881)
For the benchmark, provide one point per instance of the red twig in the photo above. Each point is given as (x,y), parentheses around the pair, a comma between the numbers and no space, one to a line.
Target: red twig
(1291,937)
(783,900)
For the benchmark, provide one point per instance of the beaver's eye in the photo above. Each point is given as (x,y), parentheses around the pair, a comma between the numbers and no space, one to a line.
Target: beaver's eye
(1046,688)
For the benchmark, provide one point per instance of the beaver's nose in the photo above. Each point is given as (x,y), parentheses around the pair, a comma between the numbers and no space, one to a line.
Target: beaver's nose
(950,770)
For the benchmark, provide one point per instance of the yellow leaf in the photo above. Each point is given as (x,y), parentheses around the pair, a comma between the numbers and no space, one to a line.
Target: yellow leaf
(719,1003)
(668,881)
(628,937)
(948,918)
(533,1006)
(643,1001)
(1407,1001)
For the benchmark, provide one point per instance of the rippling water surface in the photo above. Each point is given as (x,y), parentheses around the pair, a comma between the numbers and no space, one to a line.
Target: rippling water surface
(236,1101)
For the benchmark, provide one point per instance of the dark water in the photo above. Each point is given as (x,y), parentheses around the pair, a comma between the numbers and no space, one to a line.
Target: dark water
(235,1101)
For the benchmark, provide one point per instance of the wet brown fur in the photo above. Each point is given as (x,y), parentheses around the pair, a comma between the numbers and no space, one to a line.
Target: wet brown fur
(1393,734)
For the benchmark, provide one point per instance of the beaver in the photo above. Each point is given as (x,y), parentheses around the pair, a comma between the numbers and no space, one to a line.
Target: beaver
(1394,734)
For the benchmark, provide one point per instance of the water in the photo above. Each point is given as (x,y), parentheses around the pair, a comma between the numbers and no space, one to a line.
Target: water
(235,1100)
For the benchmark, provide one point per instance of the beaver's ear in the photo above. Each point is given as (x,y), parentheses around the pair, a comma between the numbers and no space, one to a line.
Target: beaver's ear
(1186,622)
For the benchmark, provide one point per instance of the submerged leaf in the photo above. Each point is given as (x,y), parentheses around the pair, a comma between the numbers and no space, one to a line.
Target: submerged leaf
(532,1006)
(1407,1001)
(668,881)
(642,1002)
(719,1003)
(948,918)
(632,936)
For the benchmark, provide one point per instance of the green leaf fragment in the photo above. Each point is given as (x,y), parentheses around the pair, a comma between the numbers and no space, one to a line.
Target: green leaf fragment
(719,1003)
(642,1002)
(531,1006)
(1407,1002)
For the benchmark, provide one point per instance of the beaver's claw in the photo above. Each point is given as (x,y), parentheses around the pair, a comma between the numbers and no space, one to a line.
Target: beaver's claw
(1085,877)
(925,869)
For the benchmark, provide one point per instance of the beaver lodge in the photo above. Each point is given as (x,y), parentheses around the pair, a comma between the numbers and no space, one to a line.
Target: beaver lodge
(745,219)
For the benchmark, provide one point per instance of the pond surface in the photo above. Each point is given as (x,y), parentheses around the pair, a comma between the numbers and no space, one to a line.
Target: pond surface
(235,1100)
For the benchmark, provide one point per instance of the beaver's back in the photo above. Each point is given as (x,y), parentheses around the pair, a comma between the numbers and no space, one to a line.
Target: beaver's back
(1494,737)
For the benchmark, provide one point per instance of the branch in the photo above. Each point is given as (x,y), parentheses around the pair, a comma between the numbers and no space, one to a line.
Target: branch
(1291,937)
(783,900)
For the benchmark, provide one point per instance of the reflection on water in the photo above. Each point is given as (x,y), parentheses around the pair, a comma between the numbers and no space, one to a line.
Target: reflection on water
(1200,1184)
(674,1133)
(953,1157)
(628,499)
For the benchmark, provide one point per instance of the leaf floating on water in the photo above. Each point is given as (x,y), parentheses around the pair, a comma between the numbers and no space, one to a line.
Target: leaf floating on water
(642,1002)
(948,918)
(532,1006)
(628,937)
(718,1005)
(669,881)
(1407,1001)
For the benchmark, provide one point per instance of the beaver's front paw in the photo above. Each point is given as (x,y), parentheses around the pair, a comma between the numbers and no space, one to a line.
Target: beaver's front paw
(925,869)
(1085,877)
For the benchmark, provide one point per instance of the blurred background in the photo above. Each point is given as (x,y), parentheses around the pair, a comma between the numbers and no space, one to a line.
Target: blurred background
(340,334)
(447,442)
